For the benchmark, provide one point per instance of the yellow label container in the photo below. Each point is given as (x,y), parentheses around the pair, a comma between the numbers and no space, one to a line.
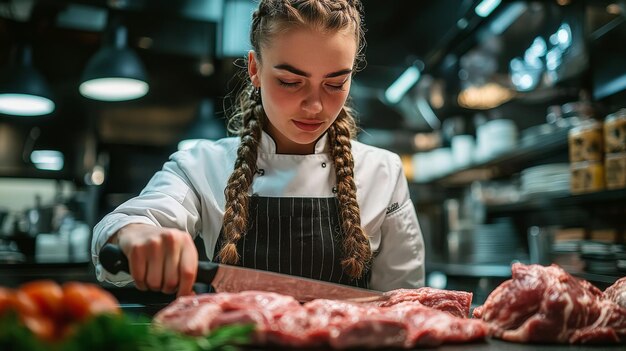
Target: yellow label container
(587,177)
(615,132)
(586,142)
(615,169)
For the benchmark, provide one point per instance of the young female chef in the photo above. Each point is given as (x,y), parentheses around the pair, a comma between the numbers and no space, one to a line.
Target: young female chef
(293,193)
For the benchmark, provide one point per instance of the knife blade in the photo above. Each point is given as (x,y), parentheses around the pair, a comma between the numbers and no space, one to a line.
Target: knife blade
(228,278)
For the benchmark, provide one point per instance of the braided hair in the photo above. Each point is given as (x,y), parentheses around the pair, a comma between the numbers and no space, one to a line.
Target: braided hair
(249,119)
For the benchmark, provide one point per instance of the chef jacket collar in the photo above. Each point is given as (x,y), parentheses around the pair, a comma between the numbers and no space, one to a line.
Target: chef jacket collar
(268,145)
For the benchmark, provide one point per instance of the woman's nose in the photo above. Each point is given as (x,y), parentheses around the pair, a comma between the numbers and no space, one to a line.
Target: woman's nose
(313,103)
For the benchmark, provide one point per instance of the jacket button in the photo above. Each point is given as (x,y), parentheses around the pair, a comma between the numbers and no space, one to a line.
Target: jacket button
(334,190)
(261,172)
(323,164)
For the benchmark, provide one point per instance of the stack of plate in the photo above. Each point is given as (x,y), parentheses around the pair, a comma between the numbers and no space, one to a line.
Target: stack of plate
(553,177)
(494,243)
(600,257)
(620,255)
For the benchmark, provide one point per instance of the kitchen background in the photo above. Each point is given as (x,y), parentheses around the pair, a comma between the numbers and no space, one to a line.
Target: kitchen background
(506,113)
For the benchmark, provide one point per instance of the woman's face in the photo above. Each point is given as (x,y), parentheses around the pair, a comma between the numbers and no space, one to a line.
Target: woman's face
(305,78)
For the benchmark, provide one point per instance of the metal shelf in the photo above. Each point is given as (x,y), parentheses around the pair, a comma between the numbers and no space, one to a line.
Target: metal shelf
(470,269)
(558,200)
(502,271)
(32,172)
(594,277)
(506,163)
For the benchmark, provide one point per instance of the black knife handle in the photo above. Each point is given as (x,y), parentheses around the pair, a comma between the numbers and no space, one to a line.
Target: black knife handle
(206,271)
(113,259)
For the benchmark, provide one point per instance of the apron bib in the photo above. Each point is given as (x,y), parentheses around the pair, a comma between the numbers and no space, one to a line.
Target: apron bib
(295,236)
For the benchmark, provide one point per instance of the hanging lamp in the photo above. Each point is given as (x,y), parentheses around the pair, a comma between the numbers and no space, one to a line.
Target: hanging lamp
(23,90)
(115,72)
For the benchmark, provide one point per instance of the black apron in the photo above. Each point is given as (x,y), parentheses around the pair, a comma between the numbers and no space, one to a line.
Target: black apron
(296,236)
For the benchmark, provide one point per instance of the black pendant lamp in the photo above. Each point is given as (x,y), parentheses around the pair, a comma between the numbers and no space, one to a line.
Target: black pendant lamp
(115,72)
(23,90)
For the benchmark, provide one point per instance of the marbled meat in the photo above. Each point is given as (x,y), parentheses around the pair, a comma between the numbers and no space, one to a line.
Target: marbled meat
(457,303)
(548,305)
(617,292)
(281,320)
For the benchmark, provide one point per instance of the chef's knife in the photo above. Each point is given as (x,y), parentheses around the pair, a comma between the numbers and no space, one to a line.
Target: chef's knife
(227,278)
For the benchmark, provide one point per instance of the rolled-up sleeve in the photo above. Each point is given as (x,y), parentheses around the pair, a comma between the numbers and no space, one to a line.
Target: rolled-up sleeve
(399,260)
(168,200)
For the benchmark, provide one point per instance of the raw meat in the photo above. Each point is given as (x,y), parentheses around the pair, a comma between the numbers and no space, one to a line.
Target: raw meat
(617,292)
(457,303)
(281,320)
(546,304)
(198,315)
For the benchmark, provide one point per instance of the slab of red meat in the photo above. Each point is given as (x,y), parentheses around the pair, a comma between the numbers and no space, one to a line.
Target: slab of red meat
(191,315)
(198,315)
(617,292)
(457,303)
(430,327)
(281,320)
(345,325)
(546,304)
(350,325)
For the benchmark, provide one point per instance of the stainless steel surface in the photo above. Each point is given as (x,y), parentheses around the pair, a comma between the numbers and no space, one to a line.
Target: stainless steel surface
(235,279)
(488,345)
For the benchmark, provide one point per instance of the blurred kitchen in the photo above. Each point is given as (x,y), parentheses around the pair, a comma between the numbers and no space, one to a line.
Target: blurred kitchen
(507,115)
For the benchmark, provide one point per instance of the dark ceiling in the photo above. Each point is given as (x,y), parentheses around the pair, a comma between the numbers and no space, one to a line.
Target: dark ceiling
(173,39)
(190,48)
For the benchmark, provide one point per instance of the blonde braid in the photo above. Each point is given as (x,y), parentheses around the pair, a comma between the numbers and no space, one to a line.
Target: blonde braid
(356,246)
(236,192)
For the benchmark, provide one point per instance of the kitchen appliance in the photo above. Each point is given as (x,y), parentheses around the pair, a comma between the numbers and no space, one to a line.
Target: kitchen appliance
(227,278)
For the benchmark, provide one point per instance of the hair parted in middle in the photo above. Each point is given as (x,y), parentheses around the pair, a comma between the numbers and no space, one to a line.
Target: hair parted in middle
(249,119)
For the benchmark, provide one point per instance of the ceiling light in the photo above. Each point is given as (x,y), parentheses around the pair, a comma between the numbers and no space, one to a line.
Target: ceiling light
(23,90)
(484,97)
(400,86)
(507,17)
(50,160)
(114,73)
(486,7)
(613,9)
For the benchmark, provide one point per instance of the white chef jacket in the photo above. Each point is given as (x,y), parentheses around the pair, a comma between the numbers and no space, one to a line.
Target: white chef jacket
(188,194)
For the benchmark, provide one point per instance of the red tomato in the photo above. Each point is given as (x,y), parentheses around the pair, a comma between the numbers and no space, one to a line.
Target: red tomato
(7,298)
(31,316)
(24,304)
(83,300)
(47,296)
(43,327)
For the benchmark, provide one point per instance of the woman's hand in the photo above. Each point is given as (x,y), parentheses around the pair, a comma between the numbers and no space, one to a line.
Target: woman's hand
(160,259)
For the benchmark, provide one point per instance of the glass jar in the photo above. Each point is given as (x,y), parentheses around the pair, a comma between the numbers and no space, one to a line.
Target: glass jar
(615,170)
(615,132)
(587,177)
(586,142)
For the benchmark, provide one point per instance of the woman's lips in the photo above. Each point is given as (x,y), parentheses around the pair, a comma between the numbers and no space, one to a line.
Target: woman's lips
(308,127)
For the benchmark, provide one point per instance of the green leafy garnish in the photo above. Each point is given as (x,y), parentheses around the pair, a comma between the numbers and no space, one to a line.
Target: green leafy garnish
(15,336)
(121,333)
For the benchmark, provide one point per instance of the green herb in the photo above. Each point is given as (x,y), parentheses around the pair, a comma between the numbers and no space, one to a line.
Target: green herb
(14,336)
(121,333)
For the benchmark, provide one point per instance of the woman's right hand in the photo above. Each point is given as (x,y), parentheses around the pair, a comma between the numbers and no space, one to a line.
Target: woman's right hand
(160,259)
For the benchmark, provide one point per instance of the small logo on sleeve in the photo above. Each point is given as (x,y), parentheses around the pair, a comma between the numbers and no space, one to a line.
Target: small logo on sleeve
(394,206)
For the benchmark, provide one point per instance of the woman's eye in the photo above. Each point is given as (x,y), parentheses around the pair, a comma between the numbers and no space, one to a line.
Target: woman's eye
(336,86)
(288,84)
